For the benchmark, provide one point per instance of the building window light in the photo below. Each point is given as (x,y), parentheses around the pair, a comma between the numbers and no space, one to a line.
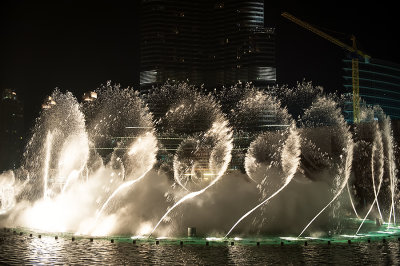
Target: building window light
(219,5)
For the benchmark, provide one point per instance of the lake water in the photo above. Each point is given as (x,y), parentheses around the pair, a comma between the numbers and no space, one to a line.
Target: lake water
(18,249)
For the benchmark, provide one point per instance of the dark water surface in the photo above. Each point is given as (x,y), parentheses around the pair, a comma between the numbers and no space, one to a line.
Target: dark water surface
(18,249)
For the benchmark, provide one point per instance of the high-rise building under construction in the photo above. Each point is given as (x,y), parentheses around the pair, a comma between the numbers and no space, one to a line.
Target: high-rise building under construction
(379,85)
(207,42)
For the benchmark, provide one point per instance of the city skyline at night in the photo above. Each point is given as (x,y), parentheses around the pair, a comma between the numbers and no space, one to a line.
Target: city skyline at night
(77,47)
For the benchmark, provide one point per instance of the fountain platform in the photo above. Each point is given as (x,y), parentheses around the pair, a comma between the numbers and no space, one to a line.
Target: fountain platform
(381,233)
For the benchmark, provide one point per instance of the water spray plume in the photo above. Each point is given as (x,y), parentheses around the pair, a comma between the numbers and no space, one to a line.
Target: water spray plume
(115,193)
(223,133)
(325,116)
(349,156)
(88,167)
(143,150)
(7,192)
(290,162)
(392,168)
(377,150)
(46,169)
(351,200)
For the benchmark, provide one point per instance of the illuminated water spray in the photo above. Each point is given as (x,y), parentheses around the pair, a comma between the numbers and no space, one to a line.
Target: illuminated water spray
(73,159)
(218,161)
(7,196)
(392,168)
(290,159)
(48,144)
(378,156)
(351,200)
(83,158)
(347,170)
(377,150)
(143,152)
(324,112)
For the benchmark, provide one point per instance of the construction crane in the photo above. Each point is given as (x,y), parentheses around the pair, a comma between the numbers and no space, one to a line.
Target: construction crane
(355,56)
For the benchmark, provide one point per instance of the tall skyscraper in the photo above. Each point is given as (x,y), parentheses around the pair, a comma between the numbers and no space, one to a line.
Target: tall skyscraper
(11,130)
(208,42)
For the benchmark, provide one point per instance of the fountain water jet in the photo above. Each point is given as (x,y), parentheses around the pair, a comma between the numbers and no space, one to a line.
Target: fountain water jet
(347,175)
(290,161)
(223,135)
(139,150)
(48,144)
(377,147)
(392,171)
(324,111)
(351,201)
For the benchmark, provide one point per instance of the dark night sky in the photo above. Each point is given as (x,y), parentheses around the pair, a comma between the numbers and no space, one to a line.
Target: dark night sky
(77,45)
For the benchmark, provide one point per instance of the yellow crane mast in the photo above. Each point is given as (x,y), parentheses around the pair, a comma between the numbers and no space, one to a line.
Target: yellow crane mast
(356,55)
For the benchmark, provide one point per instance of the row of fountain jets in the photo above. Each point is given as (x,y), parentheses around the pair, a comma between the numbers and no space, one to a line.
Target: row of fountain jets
(83,157)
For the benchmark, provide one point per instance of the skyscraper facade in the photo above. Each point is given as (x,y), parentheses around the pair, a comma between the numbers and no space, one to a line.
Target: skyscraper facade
(207,42)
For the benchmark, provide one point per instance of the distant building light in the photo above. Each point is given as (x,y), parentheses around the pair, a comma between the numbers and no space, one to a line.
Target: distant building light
(9,94)
(49,102)
(89,96)
(219,5)
(148,77)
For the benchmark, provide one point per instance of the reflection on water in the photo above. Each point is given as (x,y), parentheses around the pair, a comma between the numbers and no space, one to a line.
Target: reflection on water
(17,250)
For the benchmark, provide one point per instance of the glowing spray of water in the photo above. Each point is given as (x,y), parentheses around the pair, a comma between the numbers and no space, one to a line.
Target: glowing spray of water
(146,145)
(347,170)
(376,147)
(290,161)
(222,130)
(55,169)
(118,190)
(71,177)
(7,198)
(48,143)
(351,201)
(393,181)
(73,158)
